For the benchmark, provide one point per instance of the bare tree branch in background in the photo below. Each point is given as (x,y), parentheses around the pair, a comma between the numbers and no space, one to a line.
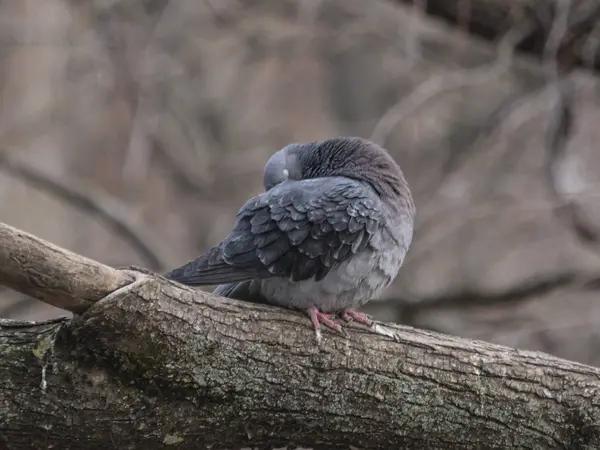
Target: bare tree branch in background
(558,63)
(440,224)
(491,18)
(448,82)
(155,363)
(98,204)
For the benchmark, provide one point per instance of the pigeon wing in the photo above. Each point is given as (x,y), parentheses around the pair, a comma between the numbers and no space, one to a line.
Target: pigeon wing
(296,230)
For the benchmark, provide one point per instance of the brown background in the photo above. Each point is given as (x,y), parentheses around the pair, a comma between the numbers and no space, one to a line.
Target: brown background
(163,114)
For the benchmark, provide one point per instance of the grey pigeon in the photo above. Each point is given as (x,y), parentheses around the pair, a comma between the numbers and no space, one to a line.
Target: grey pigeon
(329,233)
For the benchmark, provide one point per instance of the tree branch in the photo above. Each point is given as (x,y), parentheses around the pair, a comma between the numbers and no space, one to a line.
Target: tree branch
(446,82)
(92,201)
(155,364)
(490,19)
(53,275)
(560,129)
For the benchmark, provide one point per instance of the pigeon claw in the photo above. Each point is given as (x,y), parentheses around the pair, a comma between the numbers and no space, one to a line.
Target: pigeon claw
(317,318)
(357,317)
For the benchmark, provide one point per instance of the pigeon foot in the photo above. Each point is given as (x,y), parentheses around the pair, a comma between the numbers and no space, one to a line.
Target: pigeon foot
(357,317)
(317,318)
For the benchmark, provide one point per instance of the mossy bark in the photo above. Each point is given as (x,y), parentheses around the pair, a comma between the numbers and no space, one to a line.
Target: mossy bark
(155,365)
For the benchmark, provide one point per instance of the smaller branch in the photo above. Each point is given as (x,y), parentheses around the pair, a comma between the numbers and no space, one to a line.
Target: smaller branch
(488,19)
(183,174)
(54,275)
(558,136)
(445,83)
(557,67)
(99,204)
(519,292)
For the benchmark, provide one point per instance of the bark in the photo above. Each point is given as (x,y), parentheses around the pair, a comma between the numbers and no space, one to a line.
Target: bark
(51,274)
(154,364)
(490,19)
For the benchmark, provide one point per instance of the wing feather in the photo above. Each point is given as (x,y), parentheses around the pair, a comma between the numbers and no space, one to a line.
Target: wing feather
(298,230)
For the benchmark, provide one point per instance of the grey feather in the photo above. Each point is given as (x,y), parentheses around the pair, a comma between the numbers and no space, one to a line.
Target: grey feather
(331,230)
(273,237)
(248,290)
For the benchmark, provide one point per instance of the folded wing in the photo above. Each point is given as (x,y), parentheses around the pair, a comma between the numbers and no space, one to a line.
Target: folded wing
(297,230)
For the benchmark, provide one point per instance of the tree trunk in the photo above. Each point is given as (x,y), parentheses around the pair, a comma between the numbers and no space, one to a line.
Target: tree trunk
(154,364)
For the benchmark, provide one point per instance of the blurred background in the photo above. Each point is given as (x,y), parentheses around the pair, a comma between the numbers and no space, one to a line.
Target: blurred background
(131,133)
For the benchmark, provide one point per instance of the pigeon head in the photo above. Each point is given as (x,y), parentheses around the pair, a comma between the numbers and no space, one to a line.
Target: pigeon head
(284,165)
(351,157)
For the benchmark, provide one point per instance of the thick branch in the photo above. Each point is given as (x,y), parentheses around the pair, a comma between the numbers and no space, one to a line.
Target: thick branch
(53,275)
(156,363)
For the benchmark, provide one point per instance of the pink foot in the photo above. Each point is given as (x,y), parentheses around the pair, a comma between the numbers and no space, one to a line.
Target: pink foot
(317,317)
(350,316)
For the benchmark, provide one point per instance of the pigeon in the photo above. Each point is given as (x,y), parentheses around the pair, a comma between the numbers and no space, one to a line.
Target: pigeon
(329,233)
